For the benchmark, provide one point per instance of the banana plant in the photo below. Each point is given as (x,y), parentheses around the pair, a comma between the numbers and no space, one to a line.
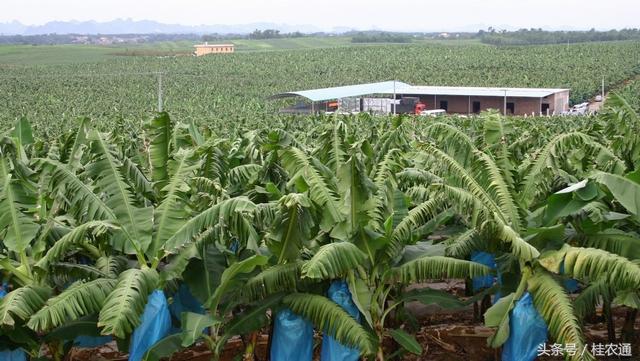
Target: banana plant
(359,235)
(28,230)
(214,278)
(507,202)
(32,231)
(113,212)
(602,212)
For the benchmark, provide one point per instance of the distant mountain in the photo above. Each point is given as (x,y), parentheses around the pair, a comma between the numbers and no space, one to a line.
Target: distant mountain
(12,28)
(129,26)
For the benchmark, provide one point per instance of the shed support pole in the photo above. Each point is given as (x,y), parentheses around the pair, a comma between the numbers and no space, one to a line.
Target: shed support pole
(469,106)
(313,110)
(505,103)
(540,106)
(394,97)
(434,102)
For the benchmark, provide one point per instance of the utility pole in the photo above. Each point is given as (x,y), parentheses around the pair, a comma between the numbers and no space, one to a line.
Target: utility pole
(159,92)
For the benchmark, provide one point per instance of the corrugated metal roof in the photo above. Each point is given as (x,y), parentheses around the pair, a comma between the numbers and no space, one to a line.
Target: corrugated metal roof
(481,92)
(385,87)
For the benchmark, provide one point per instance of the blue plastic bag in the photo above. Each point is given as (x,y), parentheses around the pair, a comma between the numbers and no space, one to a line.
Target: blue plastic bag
(482,282)
(184,301)
(331,349)
(235,246)
(486,259)
(292,338)
(11,355)
(528,332)
(571,285)
(90,341)
(154,326)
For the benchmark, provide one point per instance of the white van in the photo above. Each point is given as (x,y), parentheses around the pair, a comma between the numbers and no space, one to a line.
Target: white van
(433,112)
(579,109)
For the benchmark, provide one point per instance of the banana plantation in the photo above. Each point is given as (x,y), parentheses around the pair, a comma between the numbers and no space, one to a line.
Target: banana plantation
(224,230)
(52,96)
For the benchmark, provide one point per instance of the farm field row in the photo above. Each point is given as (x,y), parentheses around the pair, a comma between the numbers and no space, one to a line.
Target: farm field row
(233,89)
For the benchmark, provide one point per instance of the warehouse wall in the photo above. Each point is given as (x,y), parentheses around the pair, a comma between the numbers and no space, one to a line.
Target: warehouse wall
(558,102)
(464,104)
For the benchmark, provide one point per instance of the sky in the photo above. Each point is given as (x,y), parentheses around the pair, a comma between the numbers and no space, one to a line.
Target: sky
(405,15)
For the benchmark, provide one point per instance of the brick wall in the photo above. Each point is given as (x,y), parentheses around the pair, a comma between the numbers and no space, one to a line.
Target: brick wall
(558,102)
(464,104)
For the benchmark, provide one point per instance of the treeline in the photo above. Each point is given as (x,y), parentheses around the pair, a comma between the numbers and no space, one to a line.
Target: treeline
(256,34)
(56,39)
(539,36)
(273,34)
(490,36)
(380,37)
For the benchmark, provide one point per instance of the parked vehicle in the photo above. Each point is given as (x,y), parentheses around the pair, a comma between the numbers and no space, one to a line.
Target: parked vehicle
(579,109)
(433,112)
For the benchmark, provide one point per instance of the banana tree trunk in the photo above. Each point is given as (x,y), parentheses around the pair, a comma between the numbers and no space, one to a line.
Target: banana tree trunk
(272,324)
(628,329)
(608,316)
(476,312)
(485,305)
(249,353)
(380,333)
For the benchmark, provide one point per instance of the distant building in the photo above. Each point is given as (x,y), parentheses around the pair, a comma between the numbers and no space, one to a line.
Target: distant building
(414,99)
(473,100)
(206,49)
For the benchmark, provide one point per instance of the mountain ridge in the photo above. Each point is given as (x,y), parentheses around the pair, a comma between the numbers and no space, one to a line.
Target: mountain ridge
(129,26)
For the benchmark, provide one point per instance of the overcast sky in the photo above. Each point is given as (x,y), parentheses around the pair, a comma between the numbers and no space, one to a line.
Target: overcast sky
(407,15)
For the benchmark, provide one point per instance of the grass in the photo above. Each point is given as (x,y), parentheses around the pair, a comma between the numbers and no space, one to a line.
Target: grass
(14,55)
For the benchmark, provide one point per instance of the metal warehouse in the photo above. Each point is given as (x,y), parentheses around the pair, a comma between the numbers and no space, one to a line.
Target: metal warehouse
(397,97)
